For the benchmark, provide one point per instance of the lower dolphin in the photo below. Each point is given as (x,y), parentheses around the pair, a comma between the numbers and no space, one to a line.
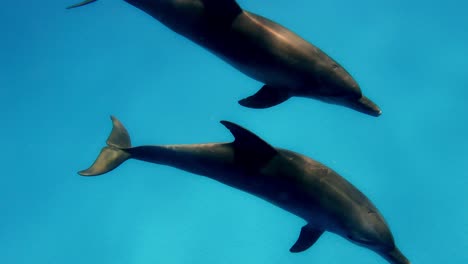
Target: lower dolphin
(287,179)
(285,63)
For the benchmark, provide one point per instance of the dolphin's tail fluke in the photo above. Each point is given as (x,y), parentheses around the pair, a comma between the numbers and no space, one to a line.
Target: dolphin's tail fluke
(85,2)
(113,154)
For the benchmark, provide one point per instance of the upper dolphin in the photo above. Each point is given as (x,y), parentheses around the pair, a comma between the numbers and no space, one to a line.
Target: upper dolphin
(287,179)
(262,49)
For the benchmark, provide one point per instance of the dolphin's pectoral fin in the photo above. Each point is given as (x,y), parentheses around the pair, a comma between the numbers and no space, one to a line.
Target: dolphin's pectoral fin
(307,238)
(250,148)
(267,96)
(81,4)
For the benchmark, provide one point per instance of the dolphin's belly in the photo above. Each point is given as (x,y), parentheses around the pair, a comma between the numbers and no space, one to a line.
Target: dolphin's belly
(270,53)
(258,47)
(274,55)
(289,180)
(315,193)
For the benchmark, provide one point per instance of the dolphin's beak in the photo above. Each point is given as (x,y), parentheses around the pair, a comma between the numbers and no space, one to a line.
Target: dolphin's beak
(395,257)
(81,4)
(366,106)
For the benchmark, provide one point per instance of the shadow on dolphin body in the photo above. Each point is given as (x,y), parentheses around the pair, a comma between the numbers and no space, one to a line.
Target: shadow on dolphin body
(284,178)
(262,49)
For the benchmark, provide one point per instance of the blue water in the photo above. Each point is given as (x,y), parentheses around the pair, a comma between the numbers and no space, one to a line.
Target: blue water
(63,72)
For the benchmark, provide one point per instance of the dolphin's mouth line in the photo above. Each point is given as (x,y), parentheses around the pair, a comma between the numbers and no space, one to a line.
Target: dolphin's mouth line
(360,241)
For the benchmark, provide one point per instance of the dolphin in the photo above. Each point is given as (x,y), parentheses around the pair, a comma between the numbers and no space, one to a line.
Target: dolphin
(289,180)
(262,49)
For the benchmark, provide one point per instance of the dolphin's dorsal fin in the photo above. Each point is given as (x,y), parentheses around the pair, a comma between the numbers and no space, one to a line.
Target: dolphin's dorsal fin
(307,238)
(251,147)
(227,10)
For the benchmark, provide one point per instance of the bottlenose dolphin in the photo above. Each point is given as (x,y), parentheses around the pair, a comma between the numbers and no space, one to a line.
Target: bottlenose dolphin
(284,178)
(262,49)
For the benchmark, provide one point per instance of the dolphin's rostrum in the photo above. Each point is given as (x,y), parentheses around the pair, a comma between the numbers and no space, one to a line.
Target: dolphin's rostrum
(287,179)
(262,49)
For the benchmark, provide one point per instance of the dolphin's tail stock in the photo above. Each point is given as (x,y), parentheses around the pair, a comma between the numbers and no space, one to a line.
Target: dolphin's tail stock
(85,2)
(113,154)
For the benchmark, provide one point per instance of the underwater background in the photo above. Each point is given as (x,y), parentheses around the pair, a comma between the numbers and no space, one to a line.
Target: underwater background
(63,72)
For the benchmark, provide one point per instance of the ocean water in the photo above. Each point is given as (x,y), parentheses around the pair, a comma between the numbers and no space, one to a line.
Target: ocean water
(63,72)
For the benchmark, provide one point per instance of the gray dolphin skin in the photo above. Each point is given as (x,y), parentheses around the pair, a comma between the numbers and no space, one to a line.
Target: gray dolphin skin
(262,49)
(284,178)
